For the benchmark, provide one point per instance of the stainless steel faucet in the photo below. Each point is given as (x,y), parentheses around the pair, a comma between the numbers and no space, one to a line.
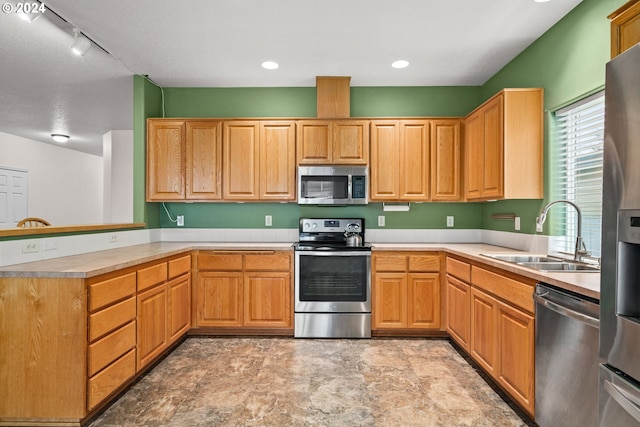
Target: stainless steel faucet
(581,249)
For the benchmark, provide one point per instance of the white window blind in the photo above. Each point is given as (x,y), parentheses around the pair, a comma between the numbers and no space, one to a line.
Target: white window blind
(577,174)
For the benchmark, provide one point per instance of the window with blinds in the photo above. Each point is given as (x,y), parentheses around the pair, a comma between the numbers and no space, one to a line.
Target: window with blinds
(577,174)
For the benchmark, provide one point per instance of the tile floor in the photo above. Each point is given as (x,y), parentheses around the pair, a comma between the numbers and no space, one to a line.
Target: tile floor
(288,382)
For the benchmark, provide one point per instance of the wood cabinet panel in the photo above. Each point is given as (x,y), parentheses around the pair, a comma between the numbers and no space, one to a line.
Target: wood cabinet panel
(515,292)
(152,327)
(424,263)
(390,300)
(459,269)
(165,160)
(474,155)
(151,276)
(111,290)
(203,156)
(220,261)
(414,160)
(277,160)
(484,332)
(220,299)
(267,299)
(241,154)
(445,160)
(277,261)
(516,331)
(110,318)
(384,175)
(389,262)
(179,320)
(179,266)
(108,381)
(351,142)
(459,311)
(625,27)
(333,96)
(493,156)
(314,142)
(111,347)
(423,300)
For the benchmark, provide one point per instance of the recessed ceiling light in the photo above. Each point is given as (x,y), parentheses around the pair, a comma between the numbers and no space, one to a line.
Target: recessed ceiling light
(400,64)
(270,65)
(541,1)
(58,137)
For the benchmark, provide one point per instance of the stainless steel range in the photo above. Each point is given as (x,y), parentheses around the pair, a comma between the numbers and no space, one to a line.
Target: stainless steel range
(332,279)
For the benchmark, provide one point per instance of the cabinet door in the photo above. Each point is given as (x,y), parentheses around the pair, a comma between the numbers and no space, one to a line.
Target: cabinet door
(445,160)
(204,160)
(625,27)
(241,160)
(484,333)
(459,311)
(314,142)
(385,160)
(165,160)
(493,149)
(474,155)
(267,300)
(179,307)
(351,142)
(390,300)
(516,332)
(414,160)
(219,299)
(423,300)
(277,161)
(152,324)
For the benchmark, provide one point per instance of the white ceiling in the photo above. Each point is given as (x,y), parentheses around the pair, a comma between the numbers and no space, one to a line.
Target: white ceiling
(221,43)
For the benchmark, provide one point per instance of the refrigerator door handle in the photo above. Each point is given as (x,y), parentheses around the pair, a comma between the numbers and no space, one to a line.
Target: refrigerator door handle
(624,398)
(566,311)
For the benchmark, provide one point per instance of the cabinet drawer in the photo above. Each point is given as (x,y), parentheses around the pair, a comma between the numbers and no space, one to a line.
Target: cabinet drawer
(424,263)
(459,269)
(150,276)
(109,291)
(111,347)
(390,262)
(179,266)
(510,290)
(223,261)
(111,318)
(108,381)
(267,262)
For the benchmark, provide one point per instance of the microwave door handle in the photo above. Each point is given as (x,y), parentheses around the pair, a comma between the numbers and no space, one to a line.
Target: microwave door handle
(349,190)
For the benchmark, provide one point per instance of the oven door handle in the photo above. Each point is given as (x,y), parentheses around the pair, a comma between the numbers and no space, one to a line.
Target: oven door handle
(334,253)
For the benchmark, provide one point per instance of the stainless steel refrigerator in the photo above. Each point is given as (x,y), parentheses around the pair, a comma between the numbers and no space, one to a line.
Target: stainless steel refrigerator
(619,376)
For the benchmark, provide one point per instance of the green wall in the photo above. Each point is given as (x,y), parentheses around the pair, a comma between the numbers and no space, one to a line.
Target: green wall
(567,61)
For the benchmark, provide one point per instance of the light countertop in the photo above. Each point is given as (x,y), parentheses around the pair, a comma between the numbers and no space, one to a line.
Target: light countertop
(101,262)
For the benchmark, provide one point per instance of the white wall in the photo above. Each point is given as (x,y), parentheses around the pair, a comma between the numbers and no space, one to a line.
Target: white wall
(65,186)
(117,148)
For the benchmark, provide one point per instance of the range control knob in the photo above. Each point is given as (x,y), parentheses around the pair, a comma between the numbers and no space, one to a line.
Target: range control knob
(305,226)
(314,225)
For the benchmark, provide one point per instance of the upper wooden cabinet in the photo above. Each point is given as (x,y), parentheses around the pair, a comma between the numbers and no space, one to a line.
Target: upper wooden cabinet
(415,160)
(504,147)
(183,159)
(625,27)
(339,142)
(259,160)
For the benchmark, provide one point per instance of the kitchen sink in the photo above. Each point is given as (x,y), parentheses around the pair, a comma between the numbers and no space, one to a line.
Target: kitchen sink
(545,263)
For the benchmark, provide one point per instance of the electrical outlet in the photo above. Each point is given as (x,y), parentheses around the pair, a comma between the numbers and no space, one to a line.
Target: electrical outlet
(180,220)
(381,221)
(268,220)
(538,228)
(30,246)
(450,221)
(113,237)
(49,245)
(517,223)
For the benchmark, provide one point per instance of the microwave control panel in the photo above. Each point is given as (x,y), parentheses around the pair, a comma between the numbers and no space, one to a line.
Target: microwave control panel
(358,187)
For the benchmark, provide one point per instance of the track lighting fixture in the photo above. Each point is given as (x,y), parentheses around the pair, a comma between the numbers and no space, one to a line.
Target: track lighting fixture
(81,44)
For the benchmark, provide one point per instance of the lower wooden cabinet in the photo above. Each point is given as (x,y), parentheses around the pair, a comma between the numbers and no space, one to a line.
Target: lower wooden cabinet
(484,333)
(153,336)
(459,311)
(244,289)
(406,290)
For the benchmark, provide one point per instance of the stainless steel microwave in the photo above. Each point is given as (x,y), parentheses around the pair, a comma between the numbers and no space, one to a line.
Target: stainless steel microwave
(333,185)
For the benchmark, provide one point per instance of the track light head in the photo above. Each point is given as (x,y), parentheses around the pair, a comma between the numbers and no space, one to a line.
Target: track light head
(81,44)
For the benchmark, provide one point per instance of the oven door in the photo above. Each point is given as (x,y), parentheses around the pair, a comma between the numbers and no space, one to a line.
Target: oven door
(333,282)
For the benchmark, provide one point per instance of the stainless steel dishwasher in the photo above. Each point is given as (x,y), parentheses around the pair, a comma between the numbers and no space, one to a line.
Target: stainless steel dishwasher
(567,330)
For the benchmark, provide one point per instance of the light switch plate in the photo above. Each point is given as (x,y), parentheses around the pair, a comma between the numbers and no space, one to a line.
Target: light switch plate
(517,223)
(450,221)
(180,220)
(268,220)
(381,220)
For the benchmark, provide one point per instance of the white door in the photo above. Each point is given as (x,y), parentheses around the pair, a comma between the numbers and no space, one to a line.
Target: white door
(14,186)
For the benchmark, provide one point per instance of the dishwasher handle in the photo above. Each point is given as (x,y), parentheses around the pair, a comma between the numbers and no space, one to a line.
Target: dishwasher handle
(564,311)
